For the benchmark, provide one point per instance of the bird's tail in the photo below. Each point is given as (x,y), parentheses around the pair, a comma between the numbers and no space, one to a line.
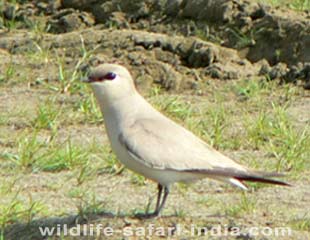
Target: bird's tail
(262,177)
(237,177)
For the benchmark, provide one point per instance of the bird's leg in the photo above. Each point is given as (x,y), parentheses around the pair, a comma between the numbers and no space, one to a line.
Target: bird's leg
(161,205)
(160,189)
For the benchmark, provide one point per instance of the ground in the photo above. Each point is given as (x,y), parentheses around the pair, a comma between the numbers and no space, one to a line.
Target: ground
(236,73)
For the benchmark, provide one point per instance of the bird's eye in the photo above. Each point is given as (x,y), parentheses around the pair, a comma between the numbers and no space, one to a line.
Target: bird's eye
(110,76)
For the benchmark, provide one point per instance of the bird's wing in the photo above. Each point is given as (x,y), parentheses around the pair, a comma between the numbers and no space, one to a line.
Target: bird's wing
(163,144)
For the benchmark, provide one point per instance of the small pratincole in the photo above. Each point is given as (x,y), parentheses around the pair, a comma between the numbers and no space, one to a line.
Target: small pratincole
(149,143)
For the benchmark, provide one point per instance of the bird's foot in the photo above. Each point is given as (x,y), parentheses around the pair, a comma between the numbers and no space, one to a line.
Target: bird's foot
(147,215)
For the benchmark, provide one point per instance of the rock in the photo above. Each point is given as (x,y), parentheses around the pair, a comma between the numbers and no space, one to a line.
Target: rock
(264,67)
(170,78)
(278,71)
(69,20)
(293,73)
(118,20)
(172,7)
(215,11)
(49,7)
(167,57)
(259,12)
(202,55)
(192,9)
(220,71)
(278,35)
(163,74)
(281,40)
(79,4)
(305,72)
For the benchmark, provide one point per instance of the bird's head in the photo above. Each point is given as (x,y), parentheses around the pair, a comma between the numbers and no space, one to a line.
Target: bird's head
(110,82)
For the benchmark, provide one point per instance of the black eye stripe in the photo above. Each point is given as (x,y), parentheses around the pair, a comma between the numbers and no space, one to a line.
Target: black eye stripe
(101,78)
(110,76)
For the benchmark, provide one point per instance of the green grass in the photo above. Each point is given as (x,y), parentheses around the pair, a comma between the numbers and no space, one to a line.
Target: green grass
(47,115)
(35,153)
(18,20)
(173,106)
(9,73)
(299,5)
(242,39)
(246,205)
(25,156)
(70,81)
(65,157)
(88,106)
(273,132)
(217,119)
(302,224)
(16,209)
(39,54)
(4,119)
(86,201)
(138,179)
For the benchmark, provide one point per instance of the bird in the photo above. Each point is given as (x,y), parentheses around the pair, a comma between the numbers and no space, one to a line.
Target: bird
(151,144)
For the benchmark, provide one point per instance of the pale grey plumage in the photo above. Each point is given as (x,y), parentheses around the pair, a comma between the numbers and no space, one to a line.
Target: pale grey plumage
(162,144)
(153,145)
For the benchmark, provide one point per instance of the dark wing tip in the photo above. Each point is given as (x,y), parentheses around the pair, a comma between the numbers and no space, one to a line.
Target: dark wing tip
(251,176)
(262,180)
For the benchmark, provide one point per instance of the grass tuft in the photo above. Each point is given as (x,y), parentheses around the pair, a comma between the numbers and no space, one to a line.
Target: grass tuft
(47,116)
